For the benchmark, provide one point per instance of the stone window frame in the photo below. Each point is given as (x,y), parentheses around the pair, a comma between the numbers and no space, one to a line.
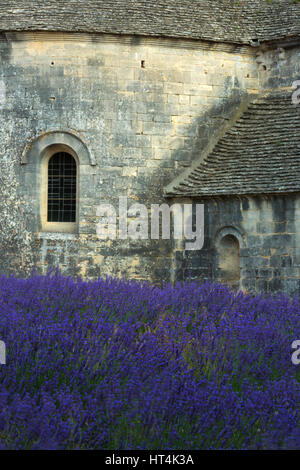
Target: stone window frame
(35,158)
(46,226)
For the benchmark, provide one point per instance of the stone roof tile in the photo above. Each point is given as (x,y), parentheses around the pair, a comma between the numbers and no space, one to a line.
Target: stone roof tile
(260,154)
(242,21)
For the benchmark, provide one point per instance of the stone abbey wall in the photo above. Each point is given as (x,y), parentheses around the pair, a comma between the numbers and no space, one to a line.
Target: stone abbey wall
(267,229)
(144,108)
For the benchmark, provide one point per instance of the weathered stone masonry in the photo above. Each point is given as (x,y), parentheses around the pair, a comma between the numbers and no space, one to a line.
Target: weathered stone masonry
(158,102)
(267,228)
(143,125)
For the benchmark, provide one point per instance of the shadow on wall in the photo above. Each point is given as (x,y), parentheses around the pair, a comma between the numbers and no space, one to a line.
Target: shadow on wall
(207,129)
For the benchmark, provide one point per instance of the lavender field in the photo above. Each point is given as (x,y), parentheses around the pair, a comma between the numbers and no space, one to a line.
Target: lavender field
(112,364)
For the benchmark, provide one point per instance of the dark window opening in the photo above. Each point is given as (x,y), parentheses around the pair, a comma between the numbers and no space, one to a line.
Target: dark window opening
(62,173)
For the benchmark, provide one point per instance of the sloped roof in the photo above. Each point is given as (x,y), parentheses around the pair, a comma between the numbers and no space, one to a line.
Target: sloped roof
(260,154)
(237,21)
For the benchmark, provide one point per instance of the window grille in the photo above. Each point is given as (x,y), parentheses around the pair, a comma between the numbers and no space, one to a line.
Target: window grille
(62,175)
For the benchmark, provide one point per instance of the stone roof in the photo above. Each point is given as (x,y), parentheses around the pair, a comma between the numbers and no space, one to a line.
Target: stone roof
(260,154)
(236,21)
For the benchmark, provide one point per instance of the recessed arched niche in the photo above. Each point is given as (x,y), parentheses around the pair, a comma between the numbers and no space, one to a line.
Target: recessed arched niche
(228,244)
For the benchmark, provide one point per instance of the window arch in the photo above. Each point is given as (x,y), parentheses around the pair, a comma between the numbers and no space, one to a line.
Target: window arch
(34,178)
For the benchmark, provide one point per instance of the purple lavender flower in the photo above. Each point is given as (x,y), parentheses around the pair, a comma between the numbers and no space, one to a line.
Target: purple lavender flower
(114,364)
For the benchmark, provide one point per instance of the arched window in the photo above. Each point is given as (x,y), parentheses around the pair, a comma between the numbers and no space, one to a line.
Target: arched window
(62,188)
(59,190)
(51,181)
(229,260)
